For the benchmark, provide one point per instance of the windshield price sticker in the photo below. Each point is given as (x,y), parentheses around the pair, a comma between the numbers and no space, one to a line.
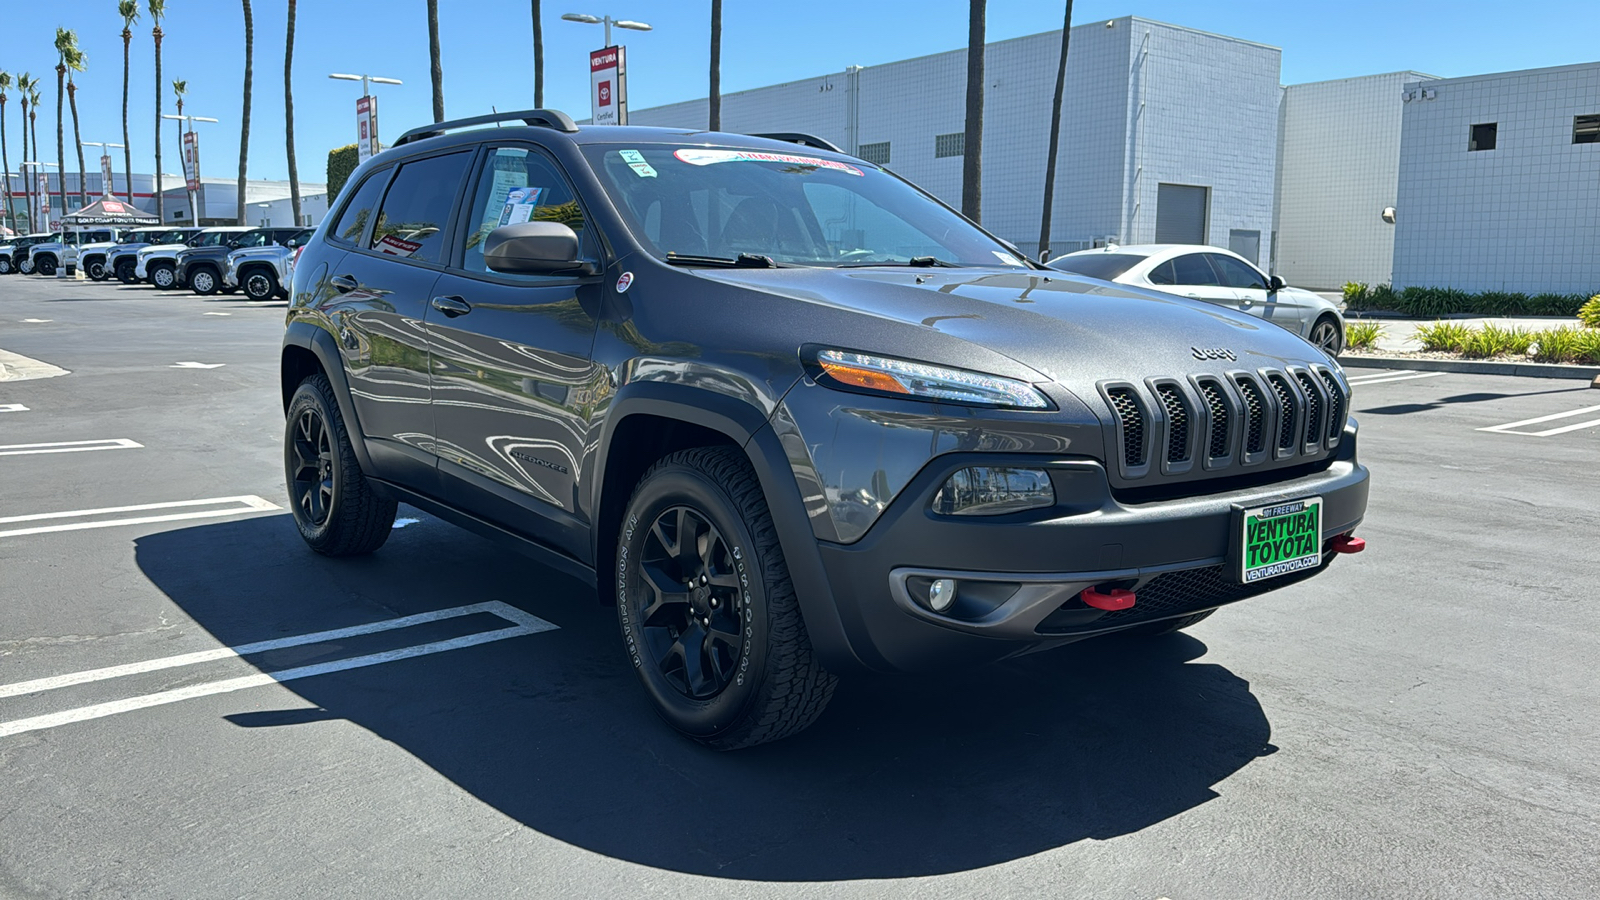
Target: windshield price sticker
(637,163)
(703,157)
(1281,539)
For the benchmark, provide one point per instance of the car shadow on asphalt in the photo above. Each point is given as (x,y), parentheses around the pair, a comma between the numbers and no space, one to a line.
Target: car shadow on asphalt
(1402,409)
(902,776)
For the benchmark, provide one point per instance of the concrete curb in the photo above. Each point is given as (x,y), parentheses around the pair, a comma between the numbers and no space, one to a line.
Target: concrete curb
(1471,367)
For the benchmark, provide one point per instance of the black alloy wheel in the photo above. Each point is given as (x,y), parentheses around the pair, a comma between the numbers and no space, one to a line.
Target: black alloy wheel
(260,285)
(204,280)
(690,617)
(45,265)
(96,269)
(163,276)
(125,272)
(311,475)
(336,510)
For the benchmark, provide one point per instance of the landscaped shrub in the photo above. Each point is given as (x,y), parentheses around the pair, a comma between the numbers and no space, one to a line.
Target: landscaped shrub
(1447,336)
(1557,345)
(1432,302)
(1555,304)
(1362,335)
(1589,312)
(1382,296)
(1355,294)
(1492,340)
(1588,347)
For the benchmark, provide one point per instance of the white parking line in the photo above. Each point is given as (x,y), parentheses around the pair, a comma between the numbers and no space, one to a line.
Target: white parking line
(196,365)
(523,623)
(1510,427)
(69,446)
(12,407)
(1401,375)
(231,506)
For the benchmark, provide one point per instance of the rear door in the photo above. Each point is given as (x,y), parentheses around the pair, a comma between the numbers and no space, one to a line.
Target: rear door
(1193,276)
(395,230)
(514,388)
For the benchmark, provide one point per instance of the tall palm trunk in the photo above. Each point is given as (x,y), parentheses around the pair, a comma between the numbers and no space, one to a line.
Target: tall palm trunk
(127,145)
(436,70)
(538,57)
(244,128)
(972,149)
(8,220)
(27,189)
(1055,139)
(33,126)
(61,131)
(715,102)
(77,138)
(161,197)
(288,114)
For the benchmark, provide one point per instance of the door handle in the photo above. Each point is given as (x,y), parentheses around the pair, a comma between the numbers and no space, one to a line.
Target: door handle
(344,284)
(452,306)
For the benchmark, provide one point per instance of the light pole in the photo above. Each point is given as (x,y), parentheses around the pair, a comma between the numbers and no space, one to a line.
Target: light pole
(606,21)
(367,143)
(105,168)
(196,194)
(41,209)
(265,220)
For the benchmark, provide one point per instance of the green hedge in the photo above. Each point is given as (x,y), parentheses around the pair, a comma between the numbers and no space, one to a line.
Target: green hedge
(342,161)
(1423,301)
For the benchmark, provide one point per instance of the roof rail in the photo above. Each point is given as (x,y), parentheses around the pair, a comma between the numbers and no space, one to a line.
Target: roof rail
(796,137)
(548,118)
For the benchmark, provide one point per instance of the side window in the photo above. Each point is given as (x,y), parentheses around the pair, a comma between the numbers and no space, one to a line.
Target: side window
(353,221)
(1236,274)
(1193,270)
(1164,274)
(254,239)
(519,185)
(417,208)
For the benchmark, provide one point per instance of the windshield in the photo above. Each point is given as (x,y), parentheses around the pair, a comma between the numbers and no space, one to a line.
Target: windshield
(136,237)
(212,238)
(794,208)
(1104,266)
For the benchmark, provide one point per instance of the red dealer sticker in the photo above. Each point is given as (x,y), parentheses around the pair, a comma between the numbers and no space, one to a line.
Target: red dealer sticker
(701,157)
(397,246)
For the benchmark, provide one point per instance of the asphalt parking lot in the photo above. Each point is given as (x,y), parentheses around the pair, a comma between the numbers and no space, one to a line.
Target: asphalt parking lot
(445,720)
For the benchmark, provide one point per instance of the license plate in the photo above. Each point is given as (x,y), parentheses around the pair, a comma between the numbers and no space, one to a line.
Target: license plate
(1280,539)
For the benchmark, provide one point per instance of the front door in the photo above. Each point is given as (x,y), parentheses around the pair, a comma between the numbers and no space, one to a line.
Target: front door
(1193,276)
(514,388)
(1256,295)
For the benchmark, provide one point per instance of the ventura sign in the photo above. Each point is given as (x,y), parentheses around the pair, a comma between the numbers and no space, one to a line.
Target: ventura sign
(608,86)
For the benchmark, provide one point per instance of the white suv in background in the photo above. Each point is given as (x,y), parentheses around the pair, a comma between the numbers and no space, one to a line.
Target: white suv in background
(1216,276)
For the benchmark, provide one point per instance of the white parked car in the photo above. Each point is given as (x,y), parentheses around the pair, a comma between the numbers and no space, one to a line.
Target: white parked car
(1215,276)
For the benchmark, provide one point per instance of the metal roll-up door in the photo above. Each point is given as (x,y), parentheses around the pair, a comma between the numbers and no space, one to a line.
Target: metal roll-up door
(1181,214)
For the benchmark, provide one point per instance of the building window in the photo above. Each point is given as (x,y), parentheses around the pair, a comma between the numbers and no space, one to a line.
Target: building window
(950,145)
(1586,129)
(1483,136)
(877,154)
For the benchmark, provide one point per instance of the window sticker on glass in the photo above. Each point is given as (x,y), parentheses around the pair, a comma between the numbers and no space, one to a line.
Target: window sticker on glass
(636,162)
(1006,258)
(520,204)
(697,156)
(395,246)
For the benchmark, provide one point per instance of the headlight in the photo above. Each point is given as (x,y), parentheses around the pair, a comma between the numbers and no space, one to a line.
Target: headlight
(994,491)
(886,375)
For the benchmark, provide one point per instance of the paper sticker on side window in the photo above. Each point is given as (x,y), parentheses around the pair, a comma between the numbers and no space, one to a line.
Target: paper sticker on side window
(637,163)
(520,204)
(696,156)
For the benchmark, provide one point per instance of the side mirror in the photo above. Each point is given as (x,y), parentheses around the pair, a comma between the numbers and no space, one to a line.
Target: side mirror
(1276,283)
(532,248)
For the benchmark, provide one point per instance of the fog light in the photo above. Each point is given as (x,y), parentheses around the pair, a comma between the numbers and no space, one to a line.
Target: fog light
(941,594)
(994,491)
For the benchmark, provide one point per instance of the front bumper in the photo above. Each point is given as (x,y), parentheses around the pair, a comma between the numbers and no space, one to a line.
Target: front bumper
(138,269)
(1022,573)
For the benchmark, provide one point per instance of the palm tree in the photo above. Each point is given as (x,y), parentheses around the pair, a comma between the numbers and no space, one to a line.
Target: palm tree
(288,114)
(23,90)
(715,103)
(437,71)
(972,141)
(66,45)
(158,8)
(1055,139)
(78,61)
(34,99)
(538,58)
(179,88)
(244,129)
(129,10)
(6,219)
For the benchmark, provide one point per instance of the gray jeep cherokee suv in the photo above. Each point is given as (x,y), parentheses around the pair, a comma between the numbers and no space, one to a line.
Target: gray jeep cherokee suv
(791,415)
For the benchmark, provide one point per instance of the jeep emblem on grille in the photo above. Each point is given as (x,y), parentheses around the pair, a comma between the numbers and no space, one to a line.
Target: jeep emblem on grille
(1213,353)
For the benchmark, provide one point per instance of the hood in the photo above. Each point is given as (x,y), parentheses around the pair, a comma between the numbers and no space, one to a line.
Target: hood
(274,250)
(98,245)
(1073,330)
(162,248)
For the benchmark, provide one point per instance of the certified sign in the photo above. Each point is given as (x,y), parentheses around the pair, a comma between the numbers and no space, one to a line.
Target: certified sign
(191,160)
(366,128)
(608,86)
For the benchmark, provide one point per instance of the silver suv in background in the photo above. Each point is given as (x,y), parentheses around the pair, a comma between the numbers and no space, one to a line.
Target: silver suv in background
(264,272)
(158,263)
(123,259)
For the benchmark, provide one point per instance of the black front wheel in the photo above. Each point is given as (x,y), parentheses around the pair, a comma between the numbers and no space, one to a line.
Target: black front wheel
(125,272)
(335,508)
(96,270)
(45,265)
(259,284)
(708,613)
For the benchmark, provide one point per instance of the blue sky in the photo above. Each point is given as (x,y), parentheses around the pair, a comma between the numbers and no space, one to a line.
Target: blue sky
(488,60)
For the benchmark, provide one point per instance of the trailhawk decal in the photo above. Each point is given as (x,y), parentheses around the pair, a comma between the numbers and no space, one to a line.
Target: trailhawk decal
(700,157)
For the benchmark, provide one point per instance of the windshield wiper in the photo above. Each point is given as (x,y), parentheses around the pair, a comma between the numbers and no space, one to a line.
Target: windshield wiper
(915,262)
(742,261)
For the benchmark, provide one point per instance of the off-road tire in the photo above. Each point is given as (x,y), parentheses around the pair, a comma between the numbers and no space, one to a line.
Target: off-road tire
(5,265)
(124,272)
(1167,626)
(158,271)
(45,265)
(780,687)
(358,520)
(26,266)
(259,284)
(97,270)
(207,276)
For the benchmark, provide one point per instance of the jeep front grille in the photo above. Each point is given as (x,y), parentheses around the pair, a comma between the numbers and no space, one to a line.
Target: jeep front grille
(1177,423)
(1288,407)
(1335,406)
(1255,411)
(1221,421)
(1131,419)
(1313,408)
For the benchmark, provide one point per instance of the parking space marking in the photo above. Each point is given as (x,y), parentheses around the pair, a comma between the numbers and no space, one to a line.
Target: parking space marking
(12,407)
(1511,427)
(216,314)
(69,446)
(229,506)
(1399,375)
(37,321)
(522,624)
(196,365)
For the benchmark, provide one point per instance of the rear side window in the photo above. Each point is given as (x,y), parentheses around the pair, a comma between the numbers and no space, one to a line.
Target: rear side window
(519,185)
(417,208)
(1104,266)
(353,221)
(1193,270)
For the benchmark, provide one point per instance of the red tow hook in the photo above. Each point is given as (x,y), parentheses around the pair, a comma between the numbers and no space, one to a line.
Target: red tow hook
(1345,543)
(1116,599)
